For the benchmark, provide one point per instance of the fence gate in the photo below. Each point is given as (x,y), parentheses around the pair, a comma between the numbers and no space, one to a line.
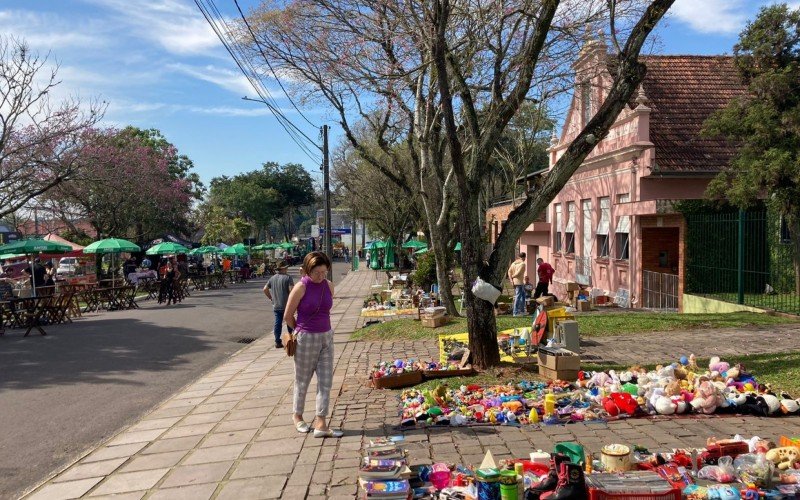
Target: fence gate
(660,290)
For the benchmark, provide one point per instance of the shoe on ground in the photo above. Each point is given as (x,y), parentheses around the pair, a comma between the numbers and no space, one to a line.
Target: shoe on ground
(278,345)
(329,433)
(302,427)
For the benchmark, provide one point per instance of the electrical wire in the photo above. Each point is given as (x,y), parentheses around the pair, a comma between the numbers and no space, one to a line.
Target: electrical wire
(253,77)
(266,59)
(215,19)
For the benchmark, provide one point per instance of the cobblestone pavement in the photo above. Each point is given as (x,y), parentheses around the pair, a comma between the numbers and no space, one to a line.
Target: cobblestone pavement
(667,346)
(229,435)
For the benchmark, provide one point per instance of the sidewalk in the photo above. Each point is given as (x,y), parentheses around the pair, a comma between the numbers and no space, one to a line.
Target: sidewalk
(228,435)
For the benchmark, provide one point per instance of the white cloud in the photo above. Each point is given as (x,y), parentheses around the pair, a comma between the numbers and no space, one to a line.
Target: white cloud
(176,25)
(712,16)
(45,32)
(228,79)
(127,109)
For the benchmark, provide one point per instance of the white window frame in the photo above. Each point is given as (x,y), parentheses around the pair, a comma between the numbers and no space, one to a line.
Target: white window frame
(603,228)
(623,243)
(569,230)
(558,241)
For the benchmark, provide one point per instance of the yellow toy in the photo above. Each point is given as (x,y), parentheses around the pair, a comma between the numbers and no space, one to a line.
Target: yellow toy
(784,457)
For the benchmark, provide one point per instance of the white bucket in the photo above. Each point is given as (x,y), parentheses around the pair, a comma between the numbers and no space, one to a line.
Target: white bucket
(615,458)
(540,457)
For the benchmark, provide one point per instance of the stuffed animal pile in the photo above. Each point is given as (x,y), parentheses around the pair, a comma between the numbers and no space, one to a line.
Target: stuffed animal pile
(679,388)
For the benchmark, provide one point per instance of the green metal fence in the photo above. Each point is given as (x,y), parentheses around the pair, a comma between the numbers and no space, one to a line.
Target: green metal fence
(741,257)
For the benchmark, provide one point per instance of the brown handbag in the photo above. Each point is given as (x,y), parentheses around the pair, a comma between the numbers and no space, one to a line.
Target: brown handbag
(290,338)
(290,343)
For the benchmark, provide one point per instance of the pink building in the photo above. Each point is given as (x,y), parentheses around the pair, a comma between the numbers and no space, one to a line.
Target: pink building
(613,226)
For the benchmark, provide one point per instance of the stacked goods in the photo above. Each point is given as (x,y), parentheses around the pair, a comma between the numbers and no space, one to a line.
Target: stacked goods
(429,369)
(384,472)
(397,373)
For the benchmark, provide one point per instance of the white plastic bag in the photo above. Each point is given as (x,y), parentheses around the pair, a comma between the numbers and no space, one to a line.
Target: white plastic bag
(485,291)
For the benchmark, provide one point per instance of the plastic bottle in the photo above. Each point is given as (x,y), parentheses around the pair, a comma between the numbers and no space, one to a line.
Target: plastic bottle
(533,416)
(549,404)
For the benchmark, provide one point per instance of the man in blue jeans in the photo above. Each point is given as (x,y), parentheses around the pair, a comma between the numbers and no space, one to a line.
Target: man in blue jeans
(517,273)
(277,290)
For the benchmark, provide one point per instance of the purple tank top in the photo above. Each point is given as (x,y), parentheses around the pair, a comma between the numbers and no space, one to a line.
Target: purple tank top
(314,310)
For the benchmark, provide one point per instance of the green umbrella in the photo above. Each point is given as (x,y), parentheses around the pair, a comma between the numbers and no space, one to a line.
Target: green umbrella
(416,244)
(286,245)
(112,245)
(421,251)
(263,246)
(376,245)
(234,250)
(167,248)
(33,246)
(458,247)
(388,255)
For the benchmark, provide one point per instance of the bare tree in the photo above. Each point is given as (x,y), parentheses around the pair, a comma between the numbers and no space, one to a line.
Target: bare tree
(478,105)
(460,72)
(38,139)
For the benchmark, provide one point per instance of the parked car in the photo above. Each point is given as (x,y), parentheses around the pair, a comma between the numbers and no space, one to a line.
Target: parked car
(67,265)
(14,270)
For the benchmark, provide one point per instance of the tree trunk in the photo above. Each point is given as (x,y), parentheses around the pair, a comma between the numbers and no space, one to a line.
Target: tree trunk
(432,200)
(481,322)
(795,234)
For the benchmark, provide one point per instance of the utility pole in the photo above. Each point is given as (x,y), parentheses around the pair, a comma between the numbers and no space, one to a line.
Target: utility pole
(353,254)
(327,197)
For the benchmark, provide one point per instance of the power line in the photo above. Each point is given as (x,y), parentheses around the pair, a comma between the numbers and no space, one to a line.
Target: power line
(266,59)
(241,61)
(255,81)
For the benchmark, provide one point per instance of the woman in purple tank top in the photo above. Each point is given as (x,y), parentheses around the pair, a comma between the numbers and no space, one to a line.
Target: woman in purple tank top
(312,300)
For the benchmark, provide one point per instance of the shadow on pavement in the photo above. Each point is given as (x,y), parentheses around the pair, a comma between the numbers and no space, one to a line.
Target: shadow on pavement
(98,351)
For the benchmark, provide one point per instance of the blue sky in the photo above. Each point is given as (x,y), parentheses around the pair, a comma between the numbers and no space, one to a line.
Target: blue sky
(158,64)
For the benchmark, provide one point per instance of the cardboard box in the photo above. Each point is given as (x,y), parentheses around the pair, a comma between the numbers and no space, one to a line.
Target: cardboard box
(583,306)
(568,361)
(434,322)
(602,299)
(568,375)
(572,286)
(545,301)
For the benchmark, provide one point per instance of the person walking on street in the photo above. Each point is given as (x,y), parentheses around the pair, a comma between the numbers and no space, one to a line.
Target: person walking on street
(545,272)
(312,300)
(277,290)
(516,273)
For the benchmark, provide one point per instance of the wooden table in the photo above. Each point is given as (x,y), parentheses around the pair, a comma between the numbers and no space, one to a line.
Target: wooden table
(27,312)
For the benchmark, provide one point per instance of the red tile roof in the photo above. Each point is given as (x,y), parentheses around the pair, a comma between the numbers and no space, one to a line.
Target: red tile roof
(683,92)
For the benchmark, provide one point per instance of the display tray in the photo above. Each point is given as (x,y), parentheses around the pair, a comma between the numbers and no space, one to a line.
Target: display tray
(396,381)
(597,494)
(448,373)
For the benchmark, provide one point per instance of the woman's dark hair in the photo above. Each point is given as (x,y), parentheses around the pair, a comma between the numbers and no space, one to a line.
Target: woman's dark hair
(315,259)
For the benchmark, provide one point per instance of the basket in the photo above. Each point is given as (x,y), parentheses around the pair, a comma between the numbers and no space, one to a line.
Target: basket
(597,494)
(448,373)
(789,441)
(406,379)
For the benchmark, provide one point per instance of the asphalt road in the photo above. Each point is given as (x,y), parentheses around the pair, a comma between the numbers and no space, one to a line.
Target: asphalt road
(65,393)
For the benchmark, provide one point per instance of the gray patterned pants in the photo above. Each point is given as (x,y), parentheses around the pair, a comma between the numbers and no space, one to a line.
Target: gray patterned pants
(314,354)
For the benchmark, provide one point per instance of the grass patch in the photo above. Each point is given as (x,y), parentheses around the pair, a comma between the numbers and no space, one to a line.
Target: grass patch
(780,370)
(591,325)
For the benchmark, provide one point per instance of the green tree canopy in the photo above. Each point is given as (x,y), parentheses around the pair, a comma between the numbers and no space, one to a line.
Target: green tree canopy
(767,121)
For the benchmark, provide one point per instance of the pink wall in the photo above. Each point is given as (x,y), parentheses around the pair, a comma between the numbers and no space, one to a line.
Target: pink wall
(619,165)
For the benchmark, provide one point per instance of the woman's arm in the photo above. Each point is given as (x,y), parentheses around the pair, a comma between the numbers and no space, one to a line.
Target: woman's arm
(295,295)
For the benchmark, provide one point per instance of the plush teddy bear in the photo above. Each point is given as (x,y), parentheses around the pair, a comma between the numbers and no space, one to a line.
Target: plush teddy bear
(673,388)
(706,398)
(715,365)
(784,457)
